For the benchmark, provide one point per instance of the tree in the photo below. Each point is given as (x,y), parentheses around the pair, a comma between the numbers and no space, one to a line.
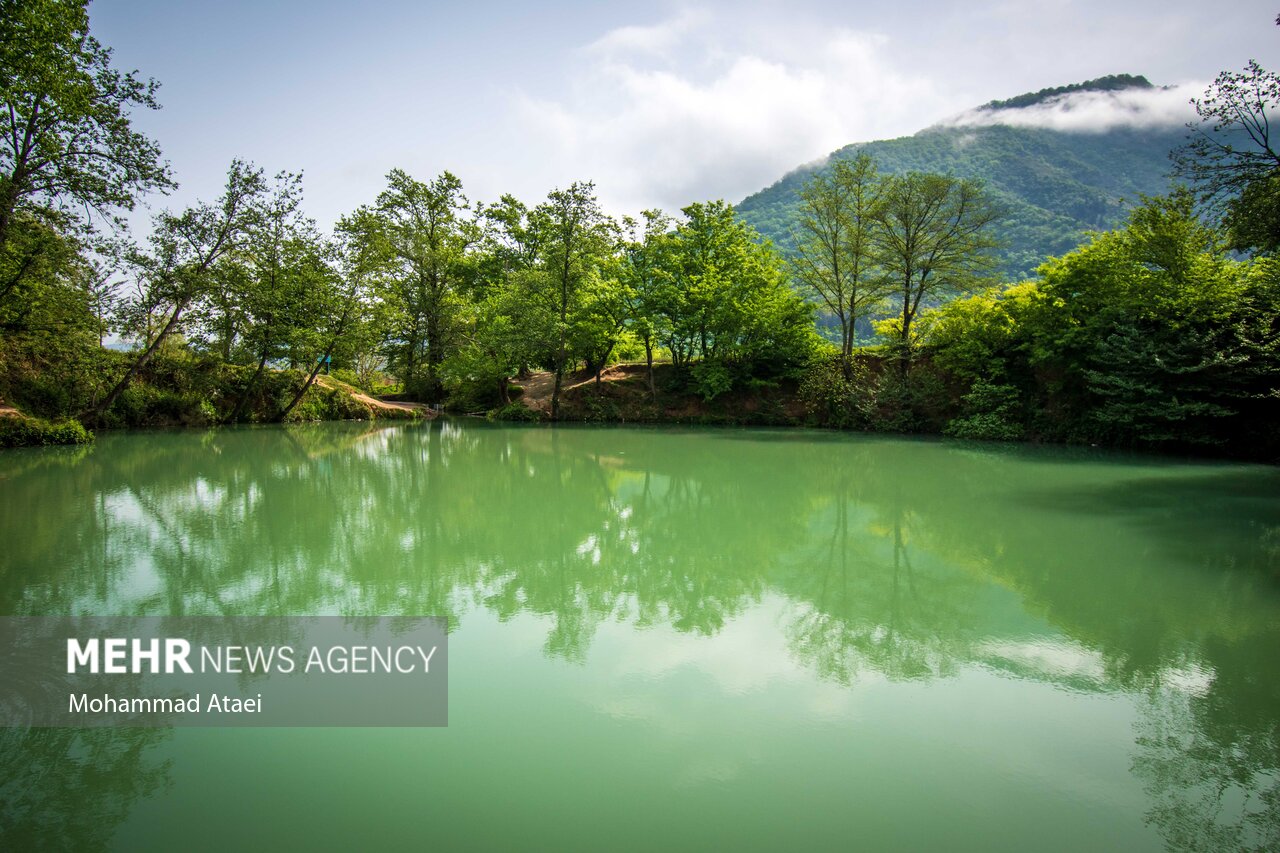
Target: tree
(645,263)
(835,240)
(179,269)
(934,240)
(284,283)
(425,234)
(725,301)
(576,237)
(333,306)
(66,142)
(1233,159)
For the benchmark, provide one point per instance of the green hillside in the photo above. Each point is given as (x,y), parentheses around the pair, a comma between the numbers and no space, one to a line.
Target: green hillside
(1056,185)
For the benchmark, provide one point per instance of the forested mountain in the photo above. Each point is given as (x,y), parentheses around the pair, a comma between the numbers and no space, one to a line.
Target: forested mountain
(1055,185)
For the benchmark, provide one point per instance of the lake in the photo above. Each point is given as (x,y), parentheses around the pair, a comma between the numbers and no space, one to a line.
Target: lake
(678,638)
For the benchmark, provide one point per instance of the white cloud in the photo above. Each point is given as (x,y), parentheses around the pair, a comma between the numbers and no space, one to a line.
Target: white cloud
(652,39)
(697,107)
(1094,112)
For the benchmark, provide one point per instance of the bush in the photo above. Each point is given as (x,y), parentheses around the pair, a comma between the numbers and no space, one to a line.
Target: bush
(837,392)
(35,432)
(992,414)
(598,408)
(917,402)
(514,412)
(710,379)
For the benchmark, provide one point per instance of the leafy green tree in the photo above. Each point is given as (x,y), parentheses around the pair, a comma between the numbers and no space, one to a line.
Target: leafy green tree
(575,239)
(644,270)
(726,302)
(600,323)
(935,241)
(66,141)
(285,282)
(333,305)
(425,232)
(37,278)
(1148,335)
(179,269)
(835,242)
(509,322)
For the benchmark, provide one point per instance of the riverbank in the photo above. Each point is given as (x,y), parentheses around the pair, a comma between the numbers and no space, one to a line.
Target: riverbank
(868,397)
(44,401)
(622,394)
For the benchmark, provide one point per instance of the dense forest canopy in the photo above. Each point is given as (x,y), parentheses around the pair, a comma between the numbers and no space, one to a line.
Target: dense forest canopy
(983,281)
(1109,83)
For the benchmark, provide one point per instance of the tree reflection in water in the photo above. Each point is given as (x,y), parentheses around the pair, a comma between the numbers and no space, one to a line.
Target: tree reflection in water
(907,560)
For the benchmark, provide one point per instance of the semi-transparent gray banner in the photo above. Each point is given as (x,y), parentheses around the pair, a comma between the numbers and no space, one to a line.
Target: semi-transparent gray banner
(223,671)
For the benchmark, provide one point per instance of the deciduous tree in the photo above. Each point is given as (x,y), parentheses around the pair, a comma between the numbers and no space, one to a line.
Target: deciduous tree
(835,242)
(67,145)
(935,240)
(1232,155)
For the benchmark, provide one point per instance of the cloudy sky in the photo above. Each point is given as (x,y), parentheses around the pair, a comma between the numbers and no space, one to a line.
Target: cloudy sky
(660,103)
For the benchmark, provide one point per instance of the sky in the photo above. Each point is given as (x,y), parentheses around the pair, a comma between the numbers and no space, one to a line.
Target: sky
(660,103)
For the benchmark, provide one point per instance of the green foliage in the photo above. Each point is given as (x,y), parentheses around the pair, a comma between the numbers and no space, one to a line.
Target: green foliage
(514,412)
(67,146)
(868,392)
(596,407)
(321,403)
(474,379)
(917,402)
(35,432)
(837,245)
(836,391)
(350,377)
(1231,157)
(1109,83)
(1252,220)
(726,299)
(710,379)
(1150,335)
(991,414)
(935,240)
(413,244)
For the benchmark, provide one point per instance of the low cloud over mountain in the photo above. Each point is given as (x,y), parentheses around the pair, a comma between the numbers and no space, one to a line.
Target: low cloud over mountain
(1090,109)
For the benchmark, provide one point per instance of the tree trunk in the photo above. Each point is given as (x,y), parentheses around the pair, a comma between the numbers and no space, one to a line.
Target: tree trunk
(311,378)
(648,356)
(95,412)
(904,354)
(323,360)
(555,390)
(253,383)
(435,357)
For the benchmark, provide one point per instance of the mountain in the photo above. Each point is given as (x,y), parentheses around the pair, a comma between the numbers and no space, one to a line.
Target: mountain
(1055,184)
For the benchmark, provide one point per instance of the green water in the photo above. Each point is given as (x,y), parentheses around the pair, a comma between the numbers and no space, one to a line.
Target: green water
(701,639)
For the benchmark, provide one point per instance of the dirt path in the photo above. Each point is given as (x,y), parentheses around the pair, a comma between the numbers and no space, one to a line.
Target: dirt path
(7,411)
(374,402)
(539,386)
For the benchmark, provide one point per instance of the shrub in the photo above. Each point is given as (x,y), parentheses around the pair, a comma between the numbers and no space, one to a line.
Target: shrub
(992,414)
(837,391)
(514,412)
(35,432)
(710,379)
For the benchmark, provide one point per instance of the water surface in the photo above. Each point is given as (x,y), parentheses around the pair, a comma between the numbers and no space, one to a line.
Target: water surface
(678,638)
